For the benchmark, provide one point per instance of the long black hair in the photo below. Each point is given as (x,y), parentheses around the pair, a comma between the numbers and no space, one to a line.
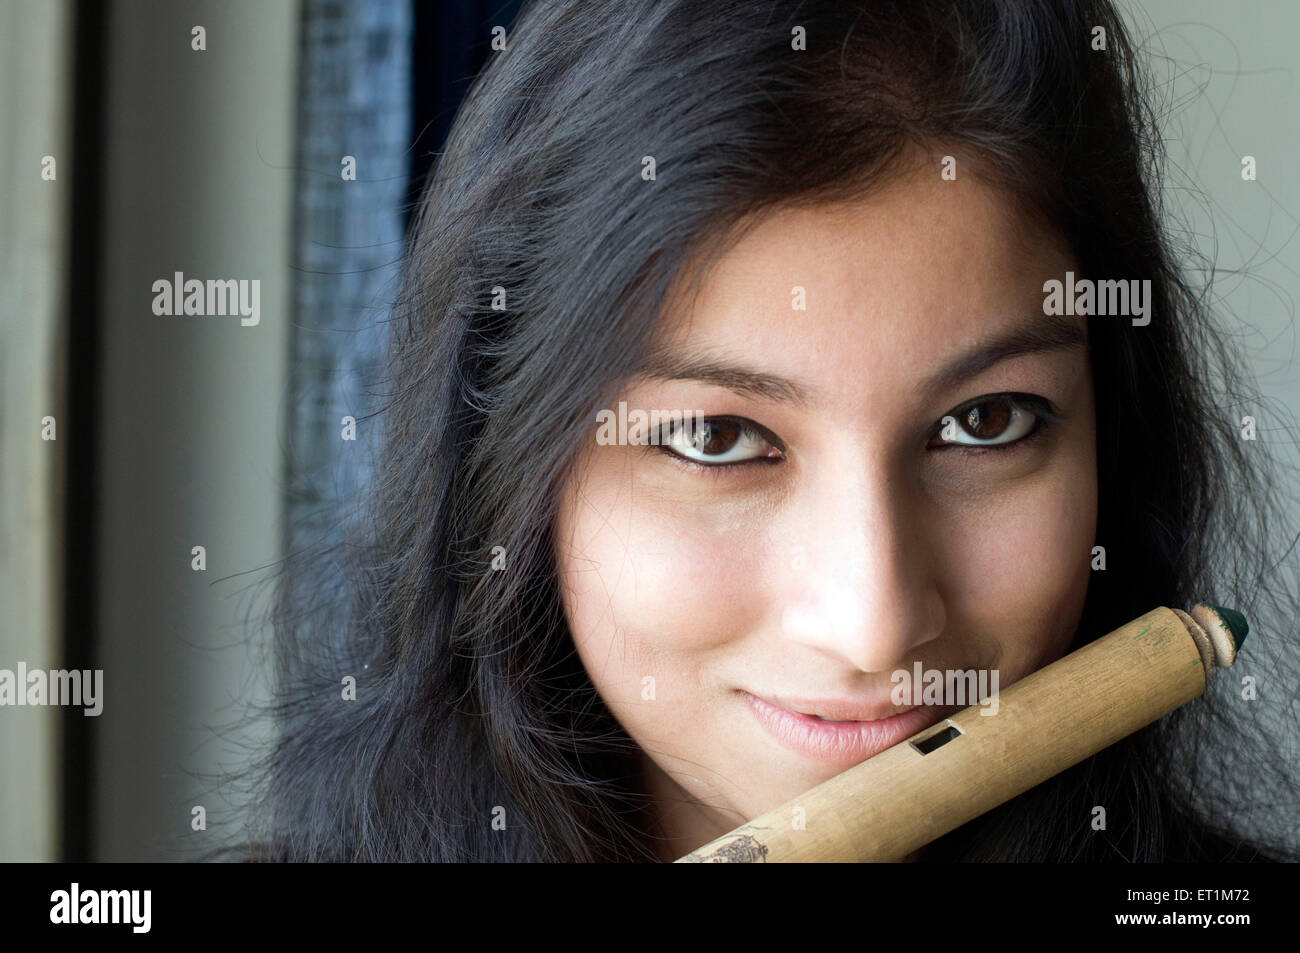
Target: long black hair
(475,733)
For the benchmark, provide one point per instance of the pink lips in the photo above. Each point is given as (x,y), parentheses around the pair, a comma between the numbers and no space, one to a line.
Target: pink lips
(840,742)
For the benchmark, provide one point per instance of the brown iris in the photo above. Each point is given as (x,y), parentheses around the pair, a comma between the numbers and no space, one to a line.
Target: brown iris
(716,437)
(986,421)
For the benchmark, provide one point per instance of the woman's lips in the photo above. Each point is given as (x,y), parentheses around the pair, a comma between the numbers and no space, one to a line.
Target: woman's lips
(840,742)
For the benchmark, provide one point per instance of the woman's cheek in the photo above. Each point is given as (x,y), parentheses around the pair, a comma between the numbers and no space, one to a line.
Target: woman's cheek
(1019,568)
(654,591)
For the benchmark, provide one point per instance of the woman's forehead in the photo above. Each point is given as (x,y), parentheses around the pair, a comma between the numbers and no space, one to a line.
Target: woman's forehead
(920,268)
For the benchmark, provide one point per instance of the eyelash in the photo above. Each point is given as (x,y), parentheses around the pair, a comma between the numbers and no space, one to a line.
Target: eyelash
(1045,414)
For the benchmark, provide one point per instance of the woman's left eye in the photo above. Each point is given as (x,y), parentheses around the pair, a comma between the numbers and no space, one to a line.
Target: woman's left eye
(992,421)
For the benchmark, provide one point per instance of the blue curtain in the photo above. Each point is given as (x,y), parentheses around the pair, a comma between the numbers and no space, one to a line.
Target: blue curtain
(380,83)
(353,167)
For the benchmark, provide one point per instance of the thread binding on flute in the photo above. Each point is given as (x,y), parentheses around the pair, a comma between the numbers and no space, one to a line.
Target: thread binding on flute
(1225,628)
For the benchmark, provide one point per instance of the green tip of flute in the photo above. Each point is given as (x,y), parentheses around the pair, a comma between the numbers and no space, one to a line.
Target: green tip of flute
(1235,621)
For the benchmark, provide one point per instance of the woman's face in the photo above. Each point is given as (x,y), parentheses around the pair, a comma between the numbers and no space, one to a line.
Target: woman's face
(724,589)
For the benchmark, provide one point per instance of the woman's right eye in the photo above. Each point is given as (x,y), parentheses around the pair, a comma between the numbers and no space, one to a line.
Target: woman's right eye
(719,441)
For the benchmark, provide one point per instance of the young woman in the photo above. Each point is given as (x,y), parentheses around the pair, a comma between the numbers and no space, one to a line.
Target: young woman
(825,228)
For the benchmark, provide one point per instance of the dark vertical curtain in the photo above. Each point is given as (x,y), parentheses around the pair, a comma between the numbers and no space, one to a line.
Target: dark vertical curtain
(452,40)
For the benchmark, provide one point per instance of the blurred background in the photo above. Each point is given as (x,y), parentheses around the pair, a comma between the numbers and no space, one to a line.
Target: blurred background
(287,141)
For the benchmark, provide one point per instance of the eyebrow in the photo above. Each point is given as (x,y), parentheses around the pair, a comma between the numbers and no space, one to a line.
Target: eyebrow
(1040,335)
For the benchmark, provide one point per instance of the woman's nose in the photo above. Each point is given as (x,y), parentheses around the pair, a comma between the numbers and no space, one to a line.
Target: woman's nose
(864,580)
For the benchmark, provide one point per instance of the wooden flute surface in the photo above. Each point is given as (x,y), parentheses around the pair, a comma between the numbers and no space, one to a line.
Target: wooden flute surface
(896,802)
